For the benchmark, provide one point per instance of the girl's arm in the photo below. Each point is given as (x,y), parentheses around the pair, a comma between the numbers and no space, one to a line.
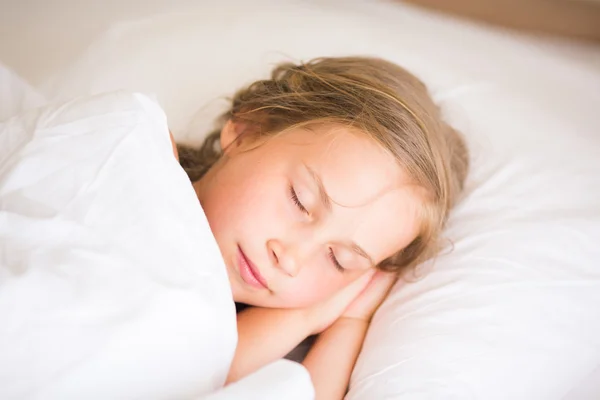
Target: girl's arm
(331,359)
(268,334)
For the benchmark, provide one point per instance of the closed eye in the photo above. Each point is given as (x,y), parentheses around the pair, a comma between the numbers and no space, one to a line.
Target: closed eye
(296,200)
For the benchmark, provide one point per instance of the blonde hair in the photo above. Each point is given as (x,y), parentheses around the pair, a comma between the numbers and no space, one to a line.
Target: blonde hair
(379,98)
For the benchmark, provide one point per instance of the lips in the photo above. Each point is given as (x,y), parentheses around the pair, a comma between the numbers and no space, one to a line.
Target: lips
(249,272)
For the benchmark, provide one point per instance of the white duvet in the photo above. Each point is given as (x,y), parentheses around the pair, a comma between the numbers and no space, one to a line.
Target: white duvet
(111,284)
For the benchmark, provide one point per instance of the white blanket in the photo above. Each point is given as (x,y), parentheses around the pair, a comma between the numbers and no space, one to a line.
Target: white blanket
(111,284)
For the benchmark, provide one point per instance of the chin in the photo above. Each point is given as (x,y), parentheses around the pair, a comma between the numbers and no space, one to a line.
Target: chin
(275,301)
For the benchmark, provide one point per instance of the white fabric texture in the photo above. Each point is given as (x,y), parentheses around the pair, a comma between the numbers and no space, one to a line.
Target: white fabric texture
(111,283)
(510,312)
(282,379)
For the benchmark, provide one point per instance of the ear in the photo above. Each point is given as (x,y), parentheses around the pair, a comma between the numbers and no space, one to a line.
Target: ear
(230,133)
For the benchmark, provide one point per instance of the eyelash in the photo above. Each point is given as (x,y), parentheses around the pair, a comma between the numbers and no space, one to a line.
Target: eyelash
(335,261)
(296,200)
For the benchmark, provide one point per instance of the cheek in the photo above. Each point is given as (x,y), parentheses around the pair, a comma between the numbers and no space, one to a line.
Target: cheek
(238,201)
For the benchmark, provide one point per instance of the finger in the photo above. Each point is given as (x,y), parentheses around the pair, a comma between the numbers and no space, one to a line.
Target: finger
(386,278)
(360,284)
(383,282)
(357,286)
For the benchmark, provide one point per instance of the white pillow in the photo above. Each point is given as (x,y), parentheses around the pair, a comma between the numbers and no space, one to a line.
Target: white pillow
(511,312)
(111,284)
(16,94)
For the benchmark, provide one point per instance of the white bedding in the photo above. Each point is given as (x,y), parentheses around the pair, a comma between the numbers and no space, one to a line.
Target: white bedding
(16,94)
(111,284)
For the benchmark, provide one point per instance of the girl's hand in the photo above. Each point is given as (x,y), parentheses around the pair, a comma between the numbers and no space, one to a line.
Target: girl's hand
(367,302)
(331,359)
(359,300)
(322,315)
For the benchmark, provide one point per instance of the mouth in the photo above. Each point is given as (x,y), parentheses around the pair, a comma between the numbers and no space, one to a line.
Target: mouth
(249,272)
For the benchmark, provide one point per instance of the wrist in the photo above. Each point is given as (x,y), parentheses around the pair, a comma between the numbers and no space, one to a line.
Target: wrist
(318,321)
(361,316)
(353,322)
(311,320)
(308,320)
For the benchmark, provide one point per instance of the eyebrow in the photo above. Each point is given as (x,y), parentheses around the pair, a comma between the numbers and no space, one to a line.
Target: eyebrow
(326,201)
(359,250)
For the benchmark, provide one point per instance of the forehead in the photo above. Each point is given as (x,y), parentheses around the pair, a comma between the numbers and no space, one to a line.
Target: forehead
(368,187)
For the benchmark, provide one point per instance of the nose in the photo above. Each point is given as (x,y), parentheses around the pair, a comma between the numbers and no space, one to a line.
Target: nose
(283,258)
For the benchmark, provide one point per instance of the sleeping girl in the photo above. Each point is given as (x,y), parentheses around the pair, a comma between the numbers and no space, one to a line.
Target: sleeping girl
(321,186)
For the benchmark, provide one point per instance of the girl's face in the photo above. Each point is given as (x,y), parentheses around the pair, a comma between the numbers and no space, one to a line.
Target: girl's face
(300,216)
